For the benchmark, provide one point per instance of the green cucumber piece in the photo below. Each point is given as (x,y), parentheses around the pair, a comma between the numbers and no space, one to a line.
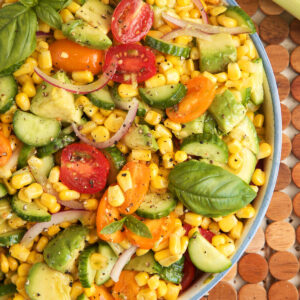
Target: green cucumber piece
(3,190)
(246,95)
(164,96)
(102,99)
(156,206)
(166,47)
(103,275)
(26,152)
(11,237)
(85,271)
(208,146)
(47,165)
(205,256)
(241,17)
(29,211)
(82,297)
(9,90)
(256,82)
(7,289)
(33,130)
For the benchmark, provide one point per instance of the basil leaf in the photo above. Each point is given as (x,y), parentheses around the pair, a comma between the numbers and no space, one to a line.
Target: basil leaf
(11,69)
(56,4)
(209,190)
(29,3)
(18,25)
(137,227)
(113,227)
(49,15)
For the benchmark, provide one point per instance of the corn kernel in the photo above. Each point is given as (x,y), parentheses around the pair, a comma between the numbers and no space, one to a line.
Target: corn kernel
(218,240)
(210,76)
(172,76)
(226,249)
(192,231)
(141,278)
(226,21)
(141,154)
(73,7)
(90,291)
(29,89)
(173,291)
(259,120)
(124,180)
(156,81)
(242,51)
(140,251)
(153,170)
(98,118)
(179,209)
(246,212)
(227,223)
(109,283)
(127,90)
(168,160)
(44,27)
(83,76)
(76,290)
(236,231)
(100,134)
(161,3)
(159,182)
(265,150)
(180,156)
(105,112)
(183,40)
(235,161)
(215,11)
(234,146)
(91,204)
(214,227)
(90,110)
(195,74)
(162,289)
(42,243)
(48,200)
(122,147)
(147,294)
(184,242)
(152,117)
(115,196)
(33,191)
(162,132)
(113,122)
(251,49)
(259,177)
(66,15)
(20,180)
(174,244)
(165,145)
(69,195)
(13,263)
(165,66)
(234,72)
(193,219)
(45,60)
(19,252)
(54,175)
(53,230)
(23,269)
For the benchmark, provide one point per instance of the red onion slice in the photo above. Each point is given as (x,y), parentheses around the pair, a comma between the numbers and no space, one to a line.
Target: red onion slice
(64,216)
(121,263)
(186,31)
(82,89)
(42,34)
(200,6)
(118,135)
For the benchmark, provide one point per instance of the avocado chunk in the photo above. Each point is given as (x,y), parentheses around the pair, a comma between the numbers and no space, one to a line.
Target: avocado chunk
(97,14)
(256,82)
(192,127)
(62,251)
(44,283)
(140,137)
(205,256)
(216,53)
(84,34)
(227,111)
(55,103)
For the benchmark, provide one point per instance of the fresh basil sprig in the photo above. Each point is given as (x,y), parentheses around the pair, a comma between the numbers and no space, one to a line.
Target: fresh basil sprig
(56,4)
(29,3)
(133,224)
(49,15)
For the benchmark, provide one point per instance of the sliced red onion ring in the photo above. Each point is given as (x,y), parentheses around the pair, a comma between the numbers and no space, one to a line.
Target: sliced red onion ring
(118,135)
(5,171)
(82,89)
(200,6)
(121,263)
(125,105)
(64,216)
(42,34)
(186,31)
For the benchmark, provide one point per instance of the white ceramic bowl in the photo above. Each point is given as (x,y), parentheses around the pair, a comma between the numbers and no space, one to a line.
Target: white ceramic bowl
(272,113)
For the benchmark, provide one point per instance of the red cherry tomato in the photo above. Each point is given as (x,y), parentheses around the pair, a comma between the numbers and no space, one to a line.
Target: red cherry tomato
(205,233)
(188,273)
(135,63)
(69,56)
(83,168)
(131,21)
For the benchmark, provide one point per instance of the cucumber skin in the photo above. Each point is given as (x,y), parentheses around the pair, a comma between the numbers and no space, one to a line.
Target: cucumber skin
(101,104)
(7,289)
(9,80)
(163,104)
(83,266)
(167,48)
(3,190)
(11,237)
(82,297)
(25,154)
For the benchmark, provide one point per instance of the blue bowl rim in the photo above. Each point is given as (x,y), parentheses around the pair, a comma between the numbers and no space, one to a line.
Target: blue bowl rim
(275,164)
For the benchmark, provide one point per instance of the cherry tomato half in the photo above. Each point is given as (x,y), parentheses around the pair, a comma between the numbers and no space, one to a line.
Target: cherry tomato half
(131,21)
(83,168)
(69,56)
(135,63)
(188,273)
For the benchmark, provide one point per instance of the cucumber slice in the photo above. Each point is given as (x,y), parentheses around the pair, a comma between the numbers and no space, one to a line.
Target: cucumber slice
(256,83)
(208,146)
(104,274)
(33,130)
(164,96)
(5,209)
(156,206)
(3,190)
(82,297)
(9,90)
(102,99)
(85,271)
(246,95)
(26,152)
(47,165)
(7,290)
(241,16)
(168,48)
(205,256)
(29,211)
(11,237)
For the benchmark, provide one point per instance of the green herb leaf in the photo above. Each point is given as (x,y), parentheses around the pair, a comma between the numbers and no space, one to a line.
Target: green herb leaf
(137,227)
(18,25)
(209,190)
(113,227)
(29,3)
(49,15)
(56,4)
(11,69)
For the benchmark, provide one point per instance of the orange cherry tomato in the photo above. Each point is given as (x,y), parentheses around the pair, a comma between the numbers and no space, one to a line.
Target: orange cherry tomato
(107,214)
(126,287)
(200,95)
(101,294)
(140,176)
(5,150)
(69,56)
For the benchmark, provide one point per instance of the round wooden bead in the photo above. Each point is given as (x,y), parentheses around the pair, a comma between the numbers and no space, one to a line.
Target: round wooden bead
(283,85)
(296,145)
(280,207)
(296,174)
(298,234)
(295,116)
(286,146)
(257,242)
(279,57)
(252,292)
(273,29)
(223,291)
(295,59)
(296,205)
(295,31)
(280,235)
(268,7)
(283,265)
(285,115)
(231,274)
(284,177)
(283,290)
(249,6)
(253,268)
(295,88)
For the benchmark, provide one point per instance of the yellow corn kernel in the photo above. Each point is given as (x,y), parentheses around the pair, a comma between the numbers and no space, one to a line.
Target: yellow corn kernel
(162,132)
(259,177)
(141,154)
(100,134)
(265,150)
(5,129)
(76,290)
(183,40)
(44,27)
(234,72)
(124,180)
(113,122)
(221,77)
(175,60)
(168,160)
(192,231)
(140,251)
(183,14)
(246,212)
(92,236)
(165,66)
(22,196)
(215,11)
(98,118)
(45,60)
(165,145)
(88,127)
(90,110)
(91,204)
(194,55)
(180,156)
(23,269)
(90,291)
(173,291)
(235,161)
(54,175)
(22,101)
(234,146)
(236,231)
(218,240)
(105,112)
(184,242)
(69,195)
(213,21)
(226,21)
(33,191)
(174,244)
(247,66)
(172,76)
(184,78)
(254,188)
(165,258)
(73,7)
(53,230)
(127,90)
(66,15)
(164,29)
(162,289)
(98,261)
(20,180)
(16,222)
(153,171)
(125,244)
(141,278)
(214,227)
(115,196)
(159,182)
(161,3)
(210,76)
(109,283)
(147,294)
(4,263)
(242,37)
(242,51)
(160,255)
(42,243)
(171,3)
(55,208)
(19,252)
(236,41)
(13,263)
(183,2)
(193,219)
(18,297)
(152,117)
(153,282)
(122,147)
(259,120)
(29,89)
(252,51)
(26,68)
(205,222)
(48,200)
(83,76)
(227,249)
(195,74)
(172,125)
(227,223)
(156,81)
(161,245)
(250,115)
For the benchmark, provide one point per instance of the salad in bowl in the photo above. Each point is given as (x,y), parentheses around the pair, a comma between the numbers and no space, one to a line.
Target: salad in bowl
(131,145)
